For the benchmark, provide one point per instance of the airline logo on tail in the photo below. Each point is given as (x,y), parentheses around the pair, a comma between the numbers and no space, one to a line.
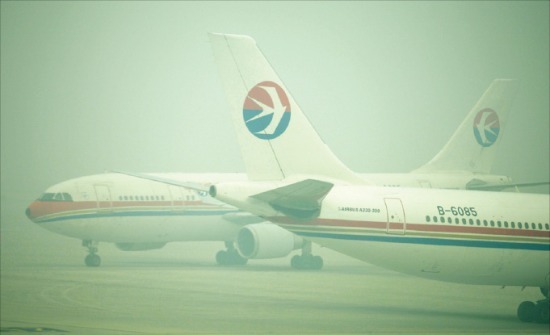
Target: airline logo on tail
(486,127)
(266,110)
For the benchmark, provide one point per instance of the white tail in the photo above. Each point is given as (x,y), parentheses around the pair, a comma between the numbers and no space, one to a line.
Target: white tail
(473,145)
(276,139)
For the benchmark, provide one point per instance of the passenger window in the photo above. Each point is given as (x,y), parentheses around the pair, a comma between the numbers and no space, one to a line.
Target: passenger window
(478,222)
(435,218)
(540,226)
(449,220)
(427,218)
(505,224)
(533,226)
(520,225)
(492,223)
(471,222)
(485,223)
(499,224)
(463,221)
(513,224)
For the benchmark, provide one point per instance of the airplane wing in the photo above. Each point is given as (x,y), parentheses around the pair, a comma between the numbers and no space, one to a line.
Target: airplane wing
(186,184)
(301,200)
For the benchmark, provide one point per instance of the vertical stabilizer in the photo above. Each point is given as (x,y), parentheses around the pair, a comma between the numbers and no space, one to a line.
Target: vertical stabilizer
(473,146)
(276,139)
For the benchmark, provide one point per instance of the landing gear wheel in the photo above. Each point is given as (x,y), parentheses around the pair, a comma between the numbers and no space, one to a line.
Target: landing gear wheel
(92,260)
(306,262)
(230,257)
(544,313)
(526,311)
(221,257)
(296,262)
(317,263)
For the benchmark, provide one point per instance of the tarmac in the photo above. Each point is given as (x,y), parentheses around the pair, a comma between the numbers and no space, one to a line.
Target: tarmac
(46,288)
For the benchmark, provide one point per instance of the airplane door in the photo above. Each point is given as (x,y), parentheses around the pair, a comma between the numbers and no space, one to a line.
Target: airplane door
(103,197)
(396,216)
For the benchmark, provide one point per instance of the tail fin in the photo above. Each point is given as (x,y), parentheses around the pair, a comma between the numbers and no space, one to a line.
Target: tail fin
(473,145)
(276,138)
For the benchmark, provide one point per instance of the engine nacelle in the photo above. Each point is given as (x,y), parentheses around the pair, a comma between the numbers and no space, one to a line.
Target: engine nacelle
(140,246)
(266,240)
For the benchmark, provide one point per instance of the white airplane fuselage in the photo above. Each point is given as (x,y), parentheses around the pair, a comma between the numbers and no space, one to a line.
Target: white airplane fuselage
(122,209)
(475,237)
(117,208)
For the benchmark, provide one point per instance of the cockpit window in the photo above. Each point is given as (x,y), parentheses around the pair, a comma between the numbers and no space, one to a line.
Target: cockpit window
(47,197)
(56,197)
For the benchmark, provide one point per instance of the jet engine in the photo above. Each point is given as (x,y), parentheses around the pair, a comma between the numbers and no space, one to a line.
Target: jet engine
(266,240)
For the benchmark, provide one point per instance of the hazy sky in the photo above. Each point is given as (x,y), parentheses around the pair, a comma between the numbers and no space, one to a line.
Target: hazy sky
(94,86)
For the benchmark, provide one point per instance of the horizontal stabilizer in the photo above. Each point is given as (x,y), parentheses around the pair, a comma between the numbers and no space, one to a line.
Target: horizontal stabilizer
(500,187)
(301,200)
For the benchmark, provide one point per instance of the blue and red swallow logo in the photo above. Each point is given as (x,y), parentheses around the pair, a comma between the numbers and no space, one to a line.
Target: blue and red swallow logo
(486,127)
(266,110)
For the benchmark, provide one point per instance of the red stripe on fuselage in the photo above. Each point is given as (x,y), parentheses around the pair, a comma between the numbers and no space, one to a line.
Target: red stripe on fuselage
(42,208)
(433,228)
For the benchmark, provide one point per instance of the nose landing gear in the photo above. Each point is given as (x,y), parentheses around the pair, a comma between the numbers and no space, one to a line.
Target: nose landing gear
(93,259)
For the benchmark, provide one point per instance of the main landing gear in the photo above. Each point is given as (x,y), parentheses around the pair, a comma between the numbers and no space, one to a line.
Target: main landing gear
(306,261)
(230,256)
(529,311)
(93,259)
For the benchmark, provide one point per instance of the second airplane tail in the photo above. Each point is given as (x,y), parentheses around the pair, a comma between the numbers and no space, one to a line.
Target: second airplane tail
(268,119)
(473,146)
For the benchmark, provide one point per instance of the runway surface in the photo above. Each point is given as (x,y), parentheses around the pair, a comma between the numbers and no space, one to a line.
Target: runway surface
(179,289)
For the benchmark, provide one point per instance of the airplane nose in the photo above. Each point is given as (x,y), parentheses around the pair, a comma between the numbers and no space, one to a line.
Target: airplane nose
(29,212)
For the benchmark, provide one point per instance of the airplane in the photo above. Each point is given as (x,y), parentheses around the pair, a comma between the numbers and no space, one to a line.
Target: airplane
(136,214)
(295,181)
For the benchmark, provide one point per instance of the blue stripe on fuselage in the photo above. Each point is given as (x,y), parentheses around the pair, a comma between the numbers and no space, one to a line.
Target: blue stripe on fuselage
(432,241)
